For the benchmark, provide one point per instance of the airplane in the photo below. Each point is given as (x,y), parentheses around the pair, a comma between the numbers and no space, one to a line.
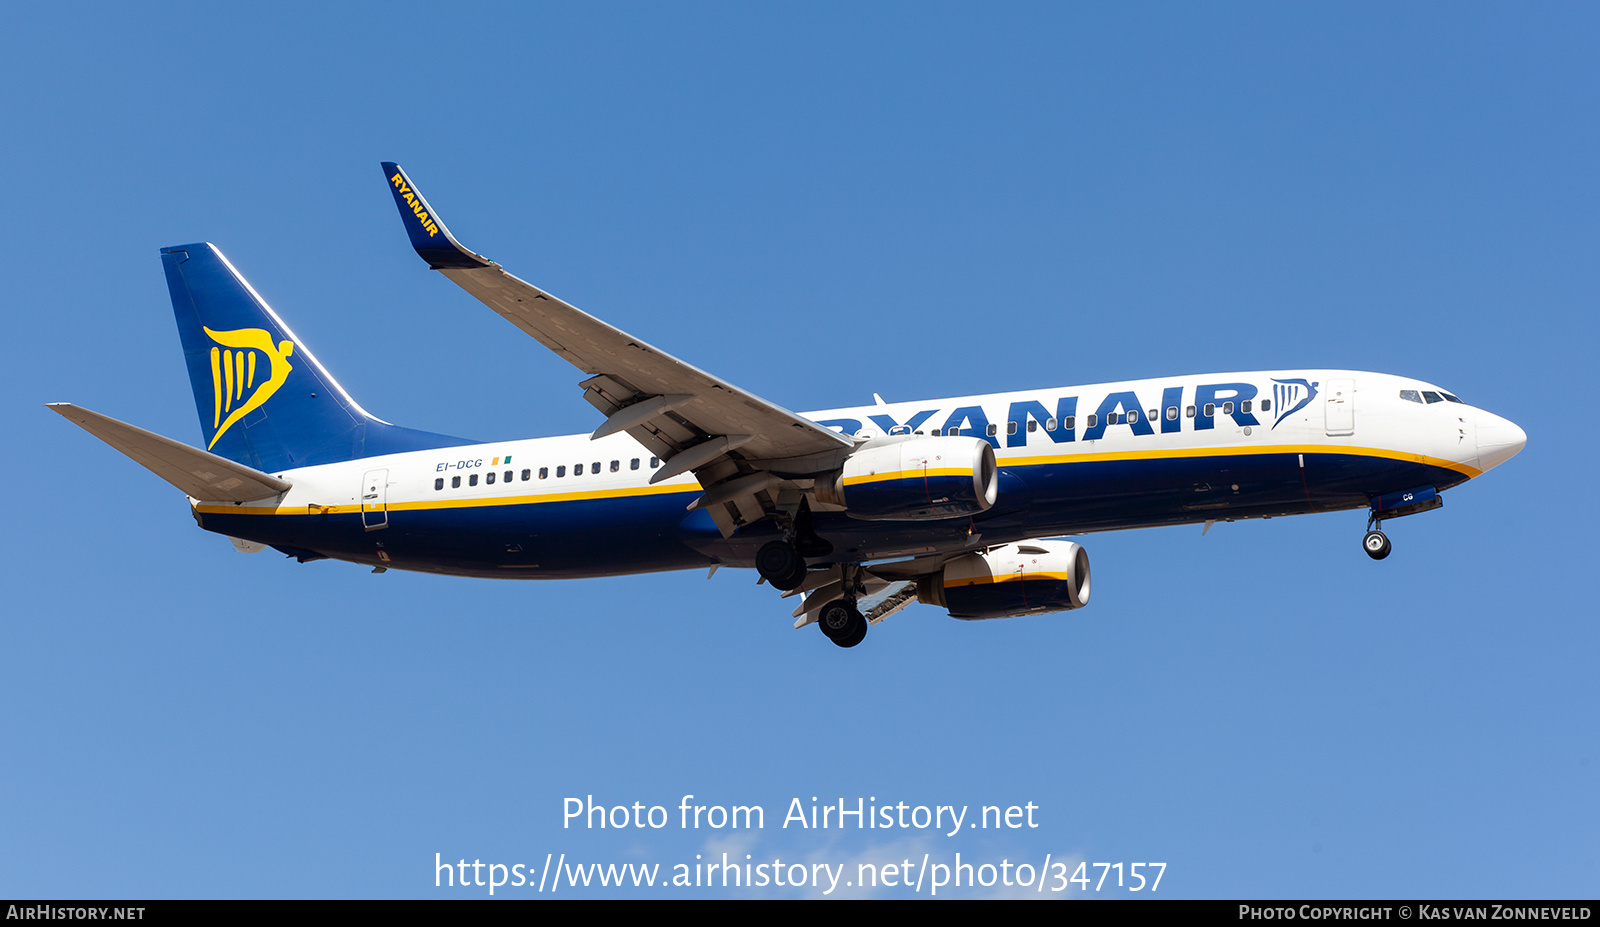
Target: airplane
(961,503)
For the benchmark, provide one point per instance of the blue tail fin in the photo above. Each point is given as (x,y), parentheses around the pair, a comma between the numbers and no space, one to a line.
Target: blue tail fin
(263,399)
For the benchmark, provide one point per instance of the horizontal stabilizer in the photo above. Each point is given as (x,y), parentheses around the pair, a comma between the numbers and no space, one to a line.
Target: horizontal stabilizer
(197,473)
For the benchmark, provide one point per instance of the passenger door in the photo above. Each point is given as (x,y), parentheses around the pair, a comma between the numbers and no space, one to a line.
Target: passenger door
(1340,407)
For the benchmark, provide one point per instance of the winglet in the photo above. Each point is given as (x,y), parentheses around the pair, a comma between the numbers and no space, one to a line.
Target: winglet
(433,241)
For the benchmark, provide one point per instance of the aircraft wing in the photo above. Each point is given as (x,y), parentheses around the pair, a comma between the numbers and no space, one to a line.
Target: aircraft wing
(689,418)
(200,474)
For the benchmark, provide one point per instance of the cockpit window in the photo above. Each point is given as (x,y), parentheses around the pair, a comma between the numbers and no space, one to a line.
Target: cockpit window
(1432,396)
(1449,397)
(1410,395)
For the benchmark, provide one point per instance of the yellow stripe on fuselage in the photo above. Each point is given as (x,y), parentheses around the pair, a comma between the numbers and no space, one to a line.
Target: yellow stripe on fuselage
(1254,450)
(479,502)
(1004,462)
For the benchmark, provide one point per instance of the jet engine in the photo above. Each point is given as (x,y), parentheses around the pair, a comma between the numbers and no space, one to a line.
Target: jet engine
(1027,578)
(912,478)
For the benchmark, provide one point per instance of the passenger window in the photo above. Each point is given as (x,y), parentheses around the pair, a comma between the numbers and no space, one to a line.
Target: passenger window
(544,473)
(993,429)
(1092,419)
(1070,423)
(507,476)
(1245,407)
(1189,411)
(455,482)
(936,432)
(472,480)
(1227,408)
(1172,413)
(577,469)
(1112,418)
(1211,409)
(1049,424)
(1032,426)
(616,465)
(527,475)
(1153,415)
(560,472)
(1266,405)
(595,468)
(1133,416)
(633,464)
(438,483)
(489,478)
(1011,428)
(655,462)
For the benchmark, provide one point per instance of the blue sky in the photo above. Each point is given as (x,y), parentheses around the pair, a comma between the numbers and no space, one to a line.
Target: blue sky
(815,202)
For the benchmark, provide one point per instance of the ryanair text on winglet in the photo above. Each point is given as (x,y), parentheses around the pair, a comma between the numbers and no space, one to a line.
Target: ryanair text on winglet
(428,224)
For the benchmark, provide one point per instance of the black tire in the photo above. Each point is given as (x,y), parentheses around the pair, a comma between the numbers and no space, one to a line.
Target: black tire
(777,561)
(793,580)
(859,635)
(842,623)
(1376,544)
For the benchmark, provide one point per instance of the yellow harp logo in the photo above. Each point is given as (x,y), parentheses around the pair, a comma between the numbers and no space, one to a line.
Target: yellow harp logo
(233,374)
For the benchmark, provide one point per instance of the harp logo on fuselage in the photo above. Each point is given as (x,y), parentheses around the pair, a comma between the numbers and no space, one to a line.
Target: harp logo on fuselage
(1291,396)
(236,386)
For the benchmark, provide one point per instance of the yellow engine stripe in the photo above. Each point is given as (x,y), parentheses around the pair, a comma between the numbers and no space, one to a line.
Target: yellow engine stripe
(906,475)
(1004,578)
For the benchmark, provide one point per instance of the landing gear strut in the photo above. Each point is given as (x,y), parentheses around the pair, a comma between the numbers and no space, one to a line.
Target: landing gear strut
(842,623)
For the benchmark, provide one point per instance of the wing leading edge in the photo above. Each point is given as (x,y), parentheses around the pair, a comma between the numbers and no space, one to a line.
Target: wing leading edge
(689,418)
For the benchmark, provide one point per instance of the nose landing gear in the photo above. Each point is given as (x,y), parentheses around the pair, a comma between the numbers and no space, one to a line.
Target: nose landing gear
(1376,543)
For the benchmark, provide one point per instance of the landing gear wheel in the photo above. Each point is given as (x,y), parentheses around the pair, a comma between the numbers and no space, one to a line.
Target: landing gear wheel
(842,623)
(781,565)
(1376,544)
(793,580)
(859,635)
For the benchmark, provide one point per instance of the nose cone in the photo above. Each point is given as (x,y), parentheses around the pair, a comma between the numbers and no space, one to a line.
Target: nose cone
(1498,440)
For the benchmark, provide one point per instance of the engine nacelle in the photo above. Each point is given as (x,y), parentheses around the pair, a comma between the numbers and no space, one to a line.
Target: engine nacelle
(1027,578)
(915,477)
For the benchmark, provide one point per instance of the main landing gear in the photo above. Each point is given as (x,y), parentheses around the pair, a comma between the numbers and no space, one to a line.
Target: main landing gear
(842,623)
(780,564)
(783,563)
